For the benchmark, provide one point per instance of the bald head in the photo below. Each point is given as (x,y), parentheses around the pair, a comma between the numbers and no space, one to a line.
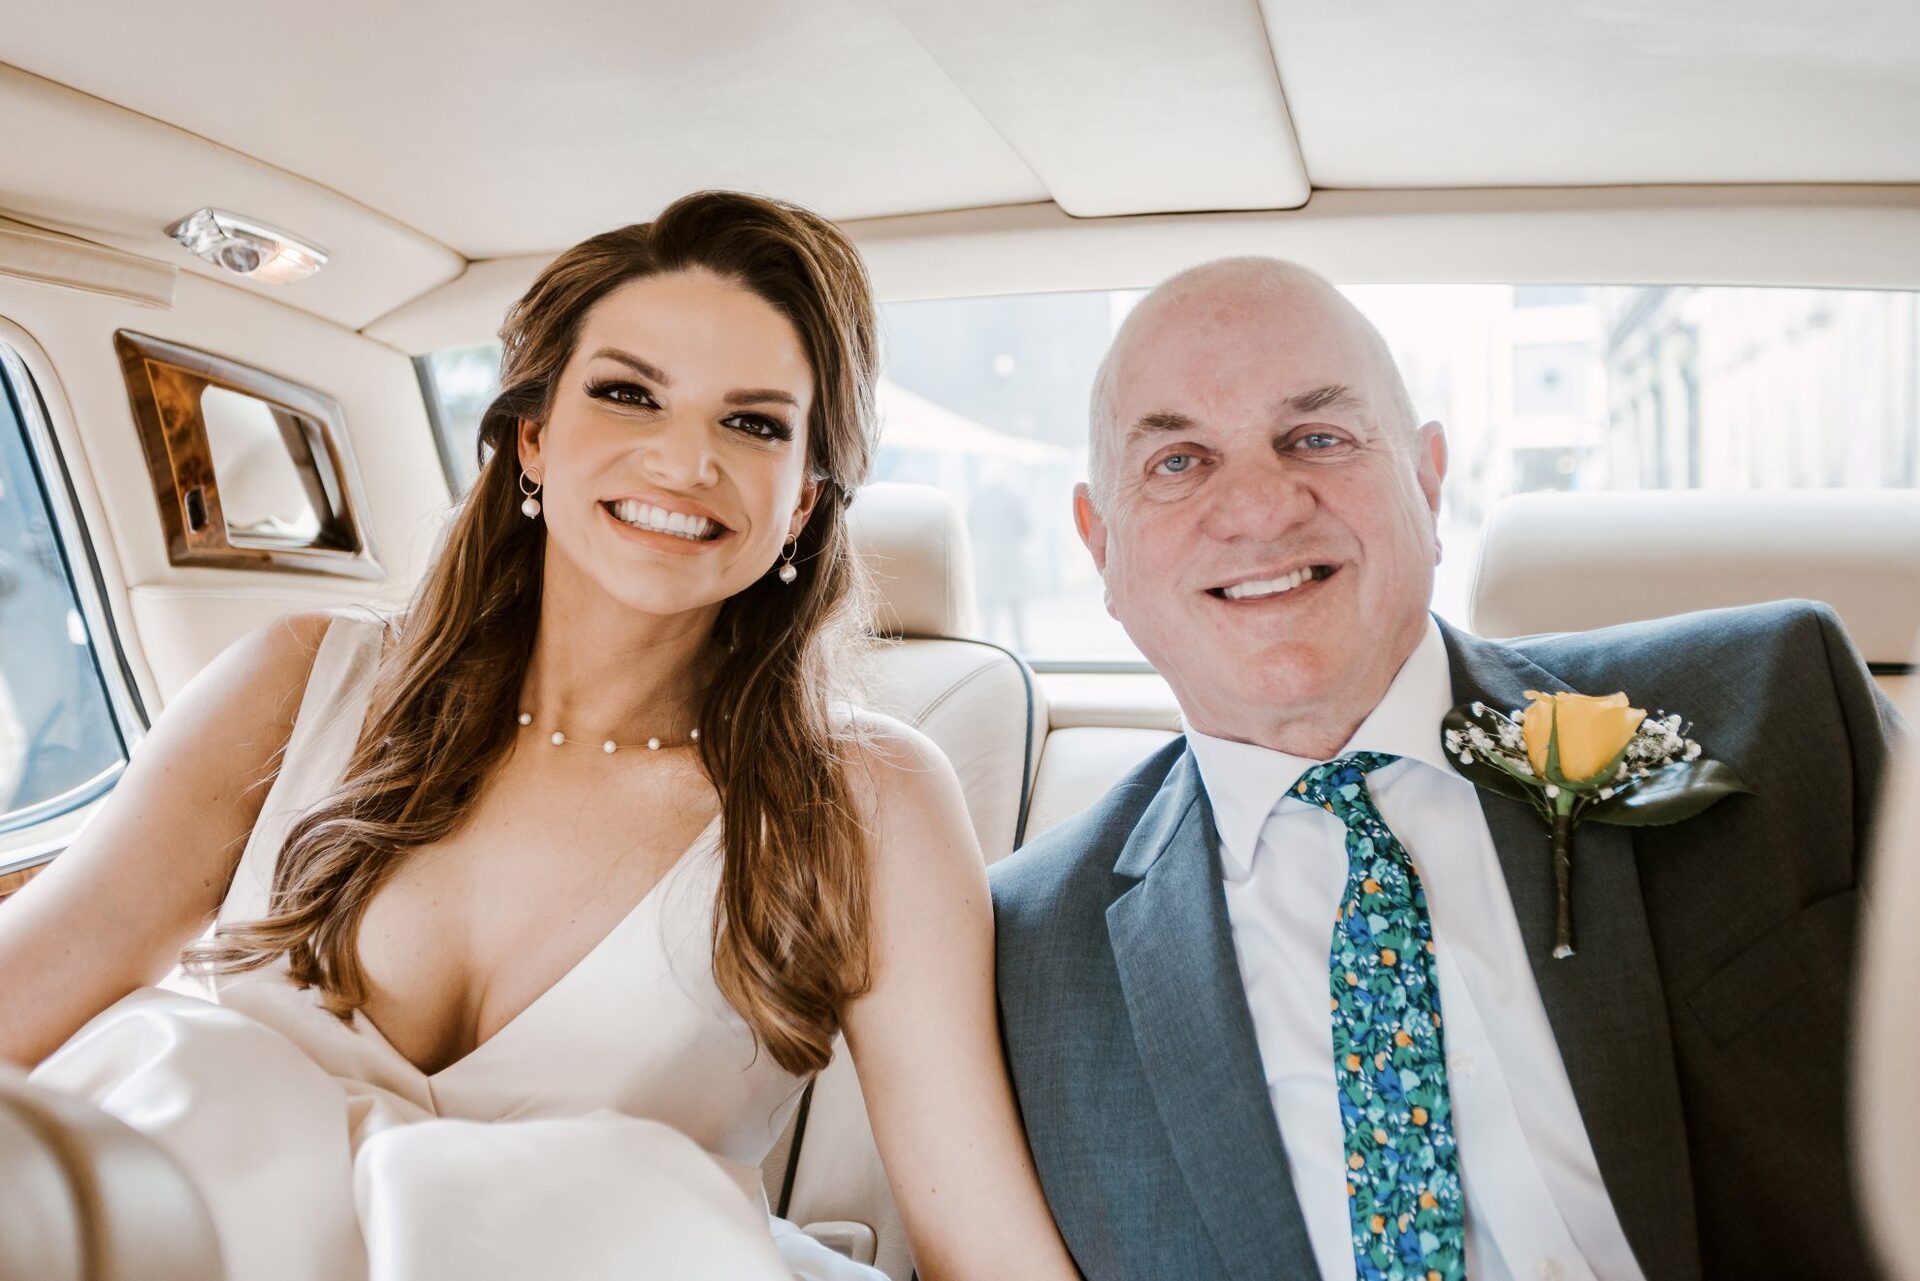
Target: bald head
(1271,292)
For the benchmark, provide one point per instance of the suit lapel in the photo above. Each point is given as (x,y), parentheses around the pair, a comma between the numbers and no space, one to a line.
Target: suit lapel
(1605,1003)
(1191,1026)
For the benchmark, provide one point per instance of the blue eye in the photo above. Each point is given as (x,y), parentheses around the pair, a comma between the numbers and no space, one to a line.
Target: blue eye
(1174,464)
(1320,442)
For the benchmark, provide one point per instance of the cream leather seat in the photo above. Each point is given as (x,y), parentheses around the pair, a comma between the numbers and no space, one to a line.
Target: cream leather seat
(85,1198)
(1101,726)
(1569,562)
(978,702)
(1885,1121)
(980,705)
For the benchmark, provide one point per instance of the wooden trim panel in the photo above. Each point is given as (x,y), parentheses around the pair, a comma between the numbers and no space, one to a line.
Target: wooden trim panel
(164,384)
(11,881)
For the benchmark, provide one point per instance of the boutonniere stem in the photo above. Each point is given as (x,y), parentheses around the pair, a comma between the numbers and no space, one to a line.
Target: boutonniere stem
(1561,836)
(1576,758)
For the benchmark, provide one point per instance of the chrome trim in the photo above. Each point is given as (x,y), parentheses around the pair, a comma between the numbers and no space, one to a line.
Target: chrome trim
(1093,666)
(68,801)
(34,855)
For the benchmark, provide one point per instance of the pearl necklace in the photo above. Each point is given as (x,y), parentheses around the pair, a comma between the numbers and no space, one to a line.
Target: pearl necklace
(559,739)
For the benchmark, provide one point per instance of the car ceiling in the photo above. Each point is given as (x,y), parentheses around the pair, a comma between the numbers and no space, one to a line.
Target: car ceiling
(413,139)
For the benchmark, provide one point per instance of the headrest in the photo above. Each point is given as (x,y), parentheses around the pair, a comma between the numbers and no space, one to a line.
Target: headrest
(1570,562)
(914,543)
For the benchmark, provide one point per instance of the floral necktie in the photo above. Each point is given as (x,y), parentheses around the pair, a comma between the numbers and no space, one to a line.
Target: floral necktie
(1403,1171)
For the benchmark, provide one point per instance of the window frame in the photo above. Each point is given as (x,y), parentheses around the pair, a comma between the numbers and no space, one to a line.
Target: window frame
(34,835)
(458,482)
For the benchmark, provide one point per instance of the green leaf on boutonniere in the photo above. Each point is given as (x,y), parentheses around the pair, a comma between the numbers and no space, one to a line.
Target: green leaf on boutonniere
(1484,772)
(1668,795)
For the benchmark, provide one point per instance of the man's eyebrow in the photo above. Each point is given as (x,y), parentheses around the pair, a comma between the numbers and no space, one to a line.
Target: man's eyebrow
(1159,421)
(634,363)
(761,396)
(1331,396)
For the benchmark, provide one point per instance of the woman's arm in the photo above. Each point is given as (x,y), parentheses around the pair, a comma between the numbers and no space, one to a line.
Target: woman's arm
(112,912)
(926,1037)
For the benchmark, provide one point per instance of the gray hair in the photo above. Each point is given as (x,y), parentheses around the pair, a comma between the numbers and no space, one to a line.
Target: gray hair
(1253,273)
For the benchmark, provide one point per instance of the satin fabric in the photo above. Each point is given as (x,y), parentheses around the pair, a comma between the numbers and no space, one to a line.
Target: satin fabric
(615,1127)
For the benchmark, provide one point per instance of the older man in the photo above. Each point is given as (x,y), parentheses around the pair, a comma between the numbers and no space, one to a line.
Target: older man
(1216,1080)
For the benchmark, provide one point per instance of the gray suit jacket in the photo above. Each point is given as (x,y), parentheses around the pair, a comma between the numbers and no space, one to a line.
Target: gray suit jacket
(1703,1023)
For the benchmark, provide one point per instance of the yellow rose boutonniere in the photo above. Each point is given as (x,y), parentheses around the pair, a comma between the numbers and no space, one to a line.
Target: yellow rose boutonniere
(1578,758)
(1588,733)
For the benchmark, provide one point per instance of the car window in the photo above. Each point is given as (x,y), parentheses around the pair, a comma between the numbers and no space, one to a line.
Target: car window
(1540,387)
(460,382)
(60,745)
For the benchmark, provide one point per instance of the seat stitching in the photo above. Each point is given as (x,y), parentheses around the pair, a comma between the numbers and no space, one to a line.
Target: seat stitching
(934,704)
(1026,744)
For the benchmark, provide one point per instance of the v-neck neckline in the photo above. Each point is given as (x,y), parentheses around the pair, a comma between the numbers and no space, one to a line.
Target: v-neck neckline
(700,842)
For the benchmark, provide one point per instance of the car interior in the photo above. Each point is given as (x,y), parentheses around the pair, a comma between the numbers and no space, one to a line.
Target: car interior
(1571,225)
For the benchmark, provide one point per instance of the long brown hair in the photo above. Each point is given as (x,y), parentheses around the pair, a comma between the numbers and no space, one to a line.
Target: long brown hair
(791,922)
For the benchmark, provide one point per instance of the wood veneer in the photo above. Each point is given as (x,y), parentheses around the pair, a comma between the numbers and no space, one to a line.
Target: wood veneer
(11,881)
(164,384)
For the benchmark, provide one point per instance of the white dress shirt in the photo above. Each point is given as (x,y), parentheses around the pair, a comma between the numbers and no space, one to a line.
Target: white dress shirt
(1535,1205)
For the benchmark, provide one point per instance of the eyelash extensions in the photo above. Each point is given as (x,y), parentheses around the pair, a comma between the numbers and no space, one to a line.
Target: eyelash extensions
(763,426)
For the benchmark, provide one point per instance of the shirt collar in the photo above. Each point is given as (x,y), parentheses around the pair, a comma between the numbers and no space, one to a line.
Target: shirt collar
(1245,782)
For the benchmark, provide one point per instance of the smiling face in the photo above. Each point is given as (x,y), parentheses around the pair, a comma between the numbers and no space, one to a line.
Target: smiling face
(1266,525)
(673,460)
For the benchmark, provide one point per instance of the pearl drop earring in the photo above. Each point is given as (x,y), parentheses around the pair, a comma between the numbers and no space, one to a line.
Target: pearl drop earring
(787,571)
(531,507)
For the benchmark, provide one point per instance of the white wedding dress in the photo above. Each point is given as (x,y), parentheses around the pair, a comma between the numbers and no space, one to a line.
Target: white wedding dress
(614,1129)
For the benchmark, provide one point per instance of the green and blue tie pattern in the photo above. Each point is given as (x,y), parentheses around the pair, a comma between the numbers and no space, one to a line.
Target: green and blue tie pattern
(1389,1061)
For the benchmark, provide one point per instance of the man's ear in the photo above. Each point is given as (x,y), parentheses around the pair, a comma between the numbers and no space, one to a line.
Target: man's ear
(1093,530)
(527,441)
(809,495)
(1430,469)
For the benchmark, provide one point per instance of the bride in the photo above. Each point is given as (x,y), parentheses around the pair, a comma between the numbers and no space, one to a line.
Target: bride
(537,905)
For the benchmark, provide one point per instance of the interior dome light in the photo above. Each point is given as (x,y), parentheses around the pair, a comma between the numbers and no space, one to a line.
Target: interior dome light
(247,248)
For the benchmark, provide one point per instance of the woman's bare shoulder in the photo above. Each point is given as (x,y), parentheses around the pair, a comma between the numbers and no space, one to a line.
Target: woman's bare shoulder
(252,691)
(262,676)
(891,760)
(902,781)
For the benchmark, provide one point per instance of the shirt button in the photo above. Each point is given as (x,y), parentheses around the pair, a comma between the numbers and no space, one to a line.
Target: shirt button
(1461,1066)
(1549,1270)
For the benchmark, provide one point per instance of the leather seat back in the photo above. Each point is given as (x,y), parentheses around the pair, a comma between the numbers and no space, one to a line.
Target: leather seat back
(86,1198)
(976,701)
(1569,562)
(1102,724)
